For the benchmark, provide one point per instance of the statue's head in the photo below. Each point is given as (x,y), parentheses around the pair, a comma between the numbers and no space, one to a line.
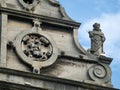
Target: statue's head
(96,26)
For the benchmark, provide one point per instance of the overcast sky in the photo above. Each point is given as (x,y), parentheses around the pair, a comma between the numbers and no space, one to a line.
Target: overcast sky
(105,12)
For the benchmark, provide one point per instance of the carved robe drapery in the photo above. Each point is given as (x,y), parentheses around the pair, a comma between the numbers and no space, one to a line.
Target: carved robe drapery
(97,40)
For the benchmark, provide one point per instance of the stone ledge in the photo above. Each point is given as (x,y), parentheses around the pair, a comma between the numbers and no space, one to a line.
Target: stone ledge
(50,79)
(46,19)
(12,86)
(105,59)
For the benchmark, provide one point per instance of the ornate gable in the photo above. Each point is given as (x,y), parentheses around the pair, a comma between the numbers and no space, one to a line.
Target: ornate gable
(39,46)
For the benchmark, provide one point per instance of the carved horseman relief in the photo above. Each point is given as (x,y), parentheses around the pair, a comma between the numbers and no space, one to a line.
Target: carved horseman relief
(97,40)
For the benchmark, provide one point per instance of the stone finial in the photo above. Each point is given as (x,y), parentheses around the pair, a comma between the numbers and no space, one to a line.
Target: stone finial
(37,23)
(97,40)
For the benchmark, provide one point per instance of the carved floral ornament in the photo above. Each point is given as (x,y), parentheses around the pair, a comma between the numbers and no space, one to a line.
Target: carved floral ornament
(36,48)
(29,4)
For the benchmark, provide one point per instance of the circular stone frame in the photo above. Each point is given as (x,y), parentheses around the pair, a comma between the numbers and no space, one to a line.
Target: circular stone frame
(105,75)
(24,58)
(28,6)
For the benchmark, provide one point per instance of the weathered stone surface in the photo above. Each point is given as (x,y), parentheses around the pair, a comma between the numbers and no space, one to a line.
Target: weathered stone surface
(18,80)
(50,8)
(39,47)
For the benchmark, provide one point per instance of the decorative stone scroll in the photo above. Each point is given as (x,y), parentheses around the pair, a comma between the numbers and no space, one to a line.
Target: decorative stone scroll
(100,73)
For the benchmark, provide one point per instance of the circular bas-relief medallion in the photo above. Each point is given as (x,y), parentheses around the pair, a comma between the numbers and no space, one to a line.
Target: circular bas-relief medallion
(36,49)
(100,73)
(29,4)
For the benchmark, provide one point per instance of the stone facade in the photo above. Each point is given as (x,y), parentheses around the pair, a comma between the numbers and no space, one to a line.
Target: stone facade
(39,50)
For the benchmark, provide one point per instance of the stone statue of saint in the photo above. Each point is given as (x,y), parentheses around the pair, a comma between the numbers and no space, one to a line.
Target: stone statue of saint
(97,40)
